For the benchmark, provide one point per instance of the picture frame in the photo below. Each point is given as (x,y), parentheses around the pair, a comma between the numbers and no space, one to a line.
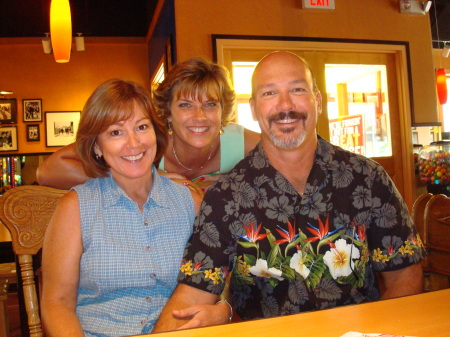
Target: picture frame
(8,111)
(8,138)
(33,133)
(32,110)
(61,127)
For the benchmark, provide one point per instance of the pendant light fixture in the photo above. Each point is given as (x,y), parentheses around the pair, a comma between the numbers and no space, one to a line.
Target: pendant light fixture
(61,30)
(441,76)
(441,84)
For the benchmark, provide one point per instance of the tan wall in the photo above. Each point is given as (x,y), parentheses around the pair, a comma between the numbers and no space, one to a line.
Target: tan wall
(29,73)
(196,20)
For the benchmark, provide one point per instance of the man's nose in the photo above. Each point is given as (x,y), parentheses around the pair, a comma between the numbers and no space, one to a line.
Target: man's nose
(285,102)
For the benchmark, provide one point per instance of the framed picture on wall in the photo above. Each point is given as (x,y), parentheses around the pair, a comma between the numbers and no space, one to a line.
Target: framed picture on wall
(32,110)
(8,138)
(33,134)
(8,111)
(61,127)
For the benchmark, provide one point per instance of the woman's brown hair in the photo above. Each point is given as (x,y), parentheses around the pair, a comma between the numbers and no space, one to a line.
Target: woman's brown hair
(114,101)
(194,78)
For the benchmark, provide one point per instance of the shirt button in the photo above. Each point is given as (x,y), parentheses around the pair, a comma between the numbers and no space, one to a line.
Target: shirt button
(145,223)
(152,275)
(148,299)
(143,322)
(147,249)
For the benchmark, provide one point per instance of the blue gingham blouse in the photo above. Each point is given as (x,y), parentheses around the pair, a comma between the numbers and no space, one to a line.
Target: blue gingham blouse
(130,260)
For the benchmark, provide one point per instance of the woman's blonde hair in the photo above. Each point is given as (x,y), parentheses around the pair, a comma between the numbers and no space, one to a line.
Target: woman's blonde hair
(194,78)
(114,101)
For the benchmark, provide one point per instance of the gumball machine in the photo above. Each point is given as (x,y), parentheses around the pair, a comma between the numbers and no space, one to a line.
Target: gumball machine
(433,167)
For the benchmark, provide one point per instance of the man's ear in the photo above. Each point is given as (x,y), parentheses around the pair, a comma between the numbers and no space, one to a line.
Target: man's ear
(252,103)
(319,102)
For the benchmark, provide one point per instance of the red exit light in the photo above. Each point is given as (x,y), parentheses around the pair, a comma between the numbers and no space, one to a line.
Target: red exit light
(318,4)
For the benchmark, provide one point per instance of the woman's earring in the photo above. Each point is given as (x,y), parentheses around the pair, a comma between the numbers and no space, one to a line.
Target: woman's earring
(169,126)
(222,131)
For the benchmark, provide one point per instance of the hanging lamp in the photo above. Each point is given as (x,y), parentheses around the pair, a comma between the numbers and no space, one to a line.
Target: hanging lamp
(441,84)
(441,78)
(61,30)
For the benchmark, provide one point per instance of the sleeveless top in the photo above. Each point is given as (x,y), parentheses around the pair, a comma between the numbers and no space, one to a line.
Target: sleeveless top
(232,148)
(130,260)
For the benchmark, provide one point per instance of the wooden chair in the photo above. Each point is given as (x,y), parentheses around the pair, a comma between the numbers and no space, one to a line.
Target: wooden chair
(26,211)
(436,238)
(418,212)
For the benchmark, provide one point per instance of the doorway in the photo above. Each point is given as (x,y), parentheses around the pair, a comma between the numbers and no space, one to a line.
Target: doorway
(366,105)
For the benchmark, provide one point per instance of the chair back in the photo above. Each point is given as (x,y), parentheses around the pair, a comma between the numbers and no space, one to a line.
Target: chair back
(436,238)
(26,212)
(418,212)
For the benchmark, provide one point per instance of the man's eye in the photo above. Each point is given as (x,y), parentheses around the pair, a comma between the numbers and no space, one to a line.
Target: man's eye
(299,90)
(268,93)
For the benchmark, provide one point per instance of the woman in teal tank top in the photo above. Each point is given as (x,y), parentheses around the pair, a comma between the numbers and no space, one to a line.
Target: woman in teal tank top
(196,100)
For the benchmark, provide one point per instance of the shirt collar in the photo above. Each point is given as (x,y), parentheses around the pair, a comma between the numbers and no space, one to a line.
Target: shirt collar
(113,192)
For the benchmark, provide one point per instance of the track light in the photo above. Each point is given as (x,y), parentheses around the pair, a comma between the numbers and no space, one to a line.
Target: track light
(79,42)
(446,49)
(414,6)
(426,5)
(47,44)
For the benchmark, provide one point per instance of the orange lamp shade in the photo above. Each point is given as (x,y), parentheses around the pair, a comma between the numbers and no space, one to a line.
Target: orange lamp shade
(61,30)
(441,84)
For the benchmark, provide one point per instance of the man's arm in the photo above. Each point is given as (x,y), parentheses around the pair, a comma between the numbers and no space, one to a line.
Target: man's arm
(190,307)
(63,169)
(402,282)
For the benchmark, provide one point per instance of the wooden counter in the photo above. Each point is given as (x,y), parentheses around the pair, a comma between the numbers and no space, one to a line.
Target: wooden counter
(421,315)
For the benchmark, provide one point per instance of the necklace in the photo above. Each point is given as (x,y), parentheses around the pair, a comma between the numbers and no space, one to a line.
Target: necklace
(187,168)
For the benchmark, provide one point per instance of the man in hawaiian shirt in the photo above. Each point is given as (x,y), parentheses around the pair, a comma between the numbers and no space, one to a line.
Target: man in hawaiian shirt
(302,224)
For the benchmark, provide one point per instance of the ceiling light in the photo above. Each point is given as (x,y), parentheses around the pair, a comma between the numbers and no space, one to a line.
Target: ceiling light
(61,30)
(414,6)
(79,42)
(47,44)
(446,49)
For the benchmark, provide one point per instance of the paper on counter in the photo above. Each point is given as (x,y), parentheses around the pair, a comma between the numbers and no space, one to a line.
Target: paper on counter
(359,334)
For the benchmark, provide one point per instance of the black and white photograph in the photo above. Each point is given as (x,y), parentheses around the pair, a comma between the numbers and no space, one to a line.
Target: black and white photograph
(61,127)
(33,134)
(8,138)
(8,111)
(32,110)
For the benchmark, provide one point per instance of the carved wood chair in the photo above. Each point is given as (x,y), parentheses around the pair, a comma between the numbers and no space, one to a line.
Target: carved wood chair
(418,212)
(26,211)
(436,238)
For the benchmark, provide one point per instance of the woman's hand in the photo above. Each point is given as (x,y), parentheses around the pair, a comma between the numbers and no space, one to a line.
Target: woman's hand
(204,315)
(205,182)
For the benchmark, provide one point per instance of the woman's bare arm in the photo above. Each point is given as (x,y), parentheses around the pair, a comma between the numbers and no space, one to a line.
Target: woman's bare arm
(62,169)
(61,256)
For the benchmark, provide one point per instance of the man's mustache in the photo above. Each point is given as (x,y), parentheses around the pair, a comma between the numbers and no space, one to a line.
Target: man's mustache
(291,114)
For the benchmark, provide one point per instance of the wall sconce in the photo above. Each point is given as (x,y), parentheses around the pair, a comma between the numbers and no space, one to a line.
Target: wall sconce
(5,92)
(61,30)
(47,44)
(414,6)
(446,50)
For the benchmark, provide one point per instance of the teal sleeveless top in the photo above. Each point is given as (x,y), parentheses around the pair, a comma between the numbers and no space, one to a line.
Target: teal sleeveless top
(232,148)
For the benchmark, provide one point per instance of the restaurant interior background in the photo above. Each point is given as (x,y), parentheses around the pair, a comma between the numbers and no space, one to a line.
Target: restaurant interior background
(375,66)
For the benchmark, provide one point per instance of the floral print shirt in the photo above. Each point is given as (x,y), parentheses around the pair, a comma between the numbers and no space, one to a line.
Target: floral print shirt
(292,253)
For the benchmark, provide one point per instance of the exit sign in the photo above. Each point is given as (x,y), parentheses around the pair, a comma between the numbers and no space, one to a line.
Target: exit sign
(318,4)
